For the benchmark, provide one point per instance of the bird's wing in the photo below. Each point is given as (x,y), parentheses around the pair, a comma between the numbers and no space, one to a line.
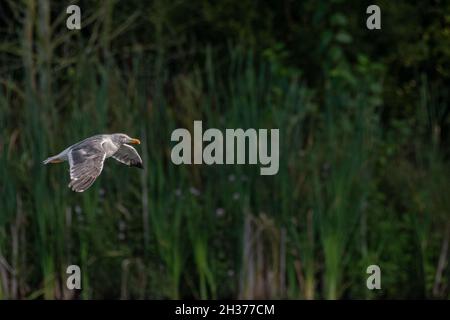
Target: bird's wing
(86,163)
(128,155)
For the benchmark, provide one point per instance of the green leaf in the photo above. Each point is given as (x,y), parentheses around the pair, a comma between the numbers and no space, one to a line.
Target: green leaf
(339,20)
(344,37)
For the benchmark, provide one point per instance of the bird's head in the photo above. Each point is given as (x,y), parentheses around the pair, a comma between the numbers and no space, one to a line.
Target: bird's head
(122,138)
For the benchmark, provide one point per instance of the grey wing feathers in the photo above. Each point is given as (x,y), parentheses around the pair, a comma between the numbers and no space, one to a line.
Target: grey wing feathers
(128,155)
(86,163)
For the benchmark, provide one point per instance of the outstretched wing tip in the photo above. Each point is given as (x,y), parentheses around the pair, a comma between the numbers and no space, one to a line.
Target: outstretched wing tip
(137,165)
(128,156)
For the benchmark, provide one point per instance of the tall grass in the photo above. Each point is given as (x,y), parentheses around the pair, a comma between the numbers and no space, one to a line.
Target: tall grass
(201,231)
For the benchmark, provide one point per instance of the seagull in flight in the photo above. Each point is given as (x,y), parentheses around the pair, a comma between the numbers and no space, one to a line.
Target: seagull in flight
(86,157)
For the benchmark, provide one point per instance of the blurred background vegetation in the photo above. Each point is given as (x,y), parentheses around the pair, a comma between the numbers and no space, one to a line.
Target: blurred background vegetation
(364,156)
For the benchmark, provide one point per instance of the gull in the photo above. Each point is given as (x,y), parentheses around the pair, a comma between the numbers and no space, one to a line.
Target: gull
(86,158)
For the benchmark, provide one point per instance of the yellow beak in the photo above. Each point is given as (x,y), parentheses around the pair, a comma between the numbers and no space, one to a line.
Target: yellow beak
(135,141)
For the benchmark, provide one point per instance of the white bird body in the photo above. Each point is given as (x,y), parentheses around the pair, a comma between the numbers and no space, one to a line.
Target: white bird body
(109,147)
(86,158)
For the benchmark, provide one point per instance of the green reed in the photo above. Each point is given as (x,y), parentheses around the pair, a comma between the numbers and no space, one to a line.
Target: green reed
(201,231)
